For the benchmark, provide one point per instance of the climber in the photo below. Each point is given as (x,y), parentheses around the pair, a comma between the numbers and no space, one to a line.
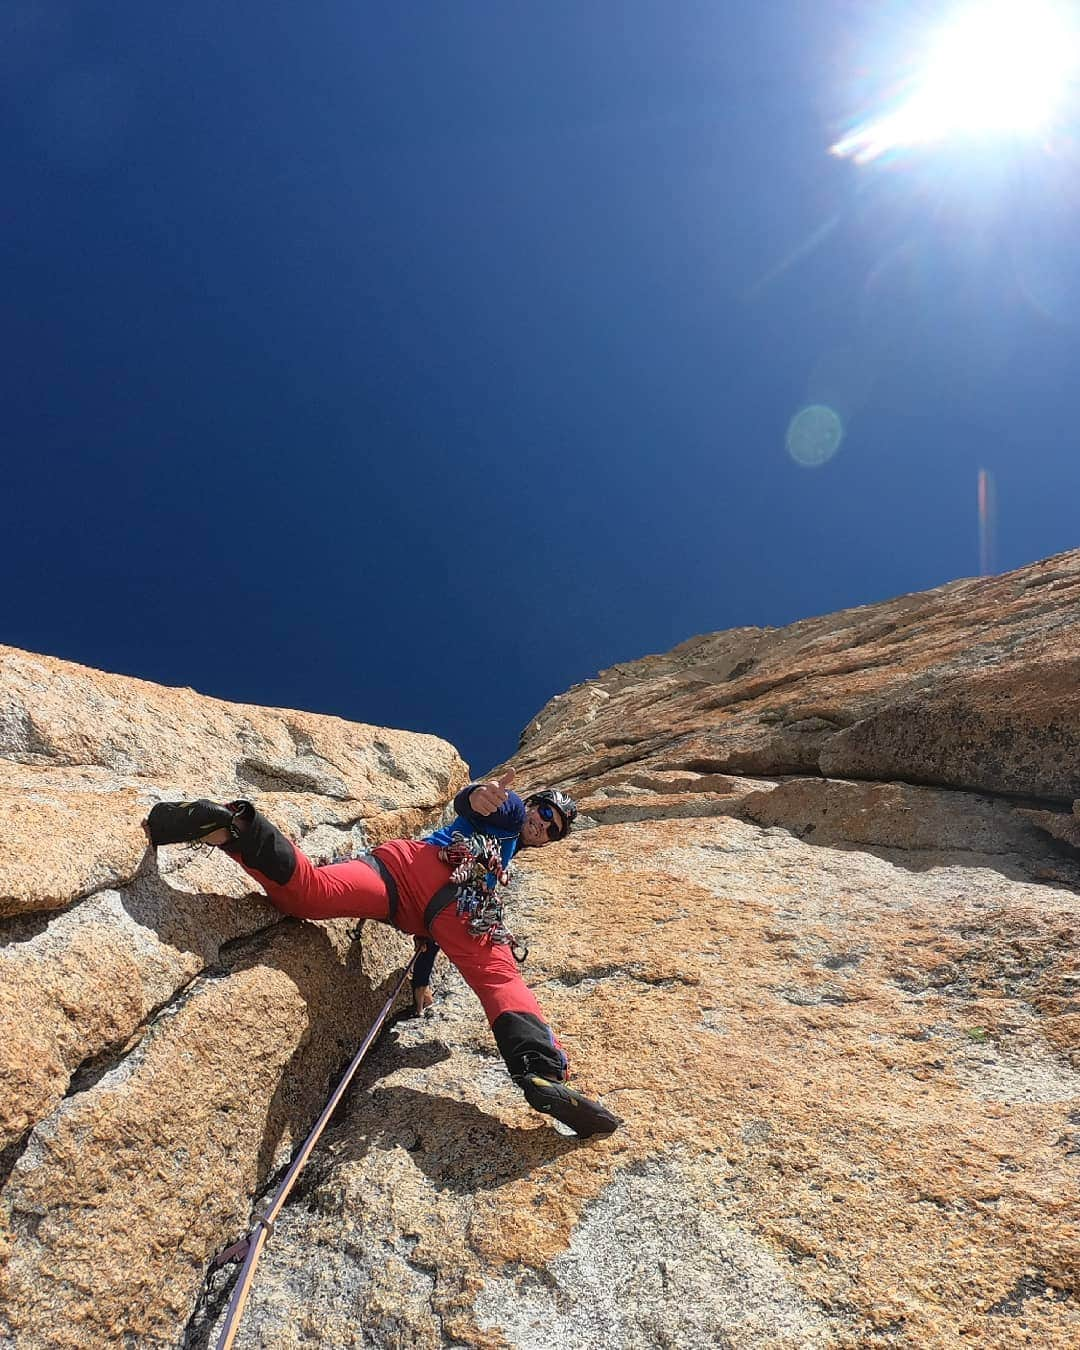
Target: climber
(440,889)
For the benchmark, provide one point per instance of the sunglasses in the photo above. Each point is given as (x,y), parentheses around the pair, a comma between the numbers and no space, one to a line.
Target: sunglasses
(548,813)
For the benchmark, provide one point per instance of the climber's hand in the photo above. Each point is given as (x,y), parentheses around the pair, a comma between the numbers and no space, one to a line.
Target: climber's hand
(486,799)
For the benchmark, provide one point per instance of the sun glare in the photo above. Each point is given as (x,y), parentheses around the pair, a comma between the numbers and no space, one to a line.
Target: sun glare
(999,66)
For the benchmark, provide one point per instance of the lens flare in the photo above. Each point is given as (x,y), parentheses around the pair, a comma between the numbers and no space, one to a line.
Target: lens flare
(814,435)
(987,499)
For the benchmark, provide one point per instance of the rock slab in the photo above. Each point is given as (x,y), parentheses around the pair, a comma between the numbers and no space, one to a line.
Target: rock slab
(166,1040)
(815,940)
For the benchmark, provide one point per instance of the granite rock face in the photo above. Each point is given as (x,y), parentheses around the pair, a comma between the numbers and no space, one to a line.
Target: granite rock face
(839,1010)
(975,685)
(850,1077)
(166,1040)
(815,940)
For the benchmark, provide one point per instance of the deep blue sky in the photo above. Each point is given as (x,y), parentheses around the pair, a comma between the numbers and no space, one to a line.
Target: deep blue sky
(412,362)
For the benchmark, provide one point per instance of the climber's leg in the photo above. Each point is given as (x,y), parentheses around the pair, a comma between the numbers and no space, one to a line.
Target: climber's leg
(292,883)
(533,1055)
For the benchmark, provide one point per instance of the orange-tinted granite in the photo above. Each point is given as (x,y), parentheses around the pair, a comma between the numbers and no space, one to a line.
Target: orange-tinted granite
(816,940)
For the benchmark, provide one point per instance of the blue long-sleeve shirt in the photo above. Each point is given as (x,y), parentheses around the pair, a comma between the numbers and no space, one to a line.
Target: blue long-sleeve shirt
(504,824)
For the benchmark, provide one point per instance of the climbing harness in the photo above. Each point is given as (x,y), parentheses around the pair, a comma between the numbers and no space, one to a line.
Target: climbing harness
(249,1248)
(476,860)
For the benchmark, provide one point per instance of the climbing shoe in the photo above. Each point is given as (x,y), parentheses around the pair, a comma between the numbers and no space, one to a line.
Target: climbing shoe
(188,822)
(581,1113)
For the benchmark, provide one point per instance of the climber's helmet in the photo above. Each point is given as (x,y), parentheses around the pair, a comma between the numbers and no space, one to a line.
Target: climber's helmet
(557,808)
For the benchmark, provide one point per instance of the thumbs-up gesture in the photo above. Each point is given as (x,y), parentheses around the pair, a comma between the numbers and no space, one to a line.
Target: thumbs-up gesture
(488,797)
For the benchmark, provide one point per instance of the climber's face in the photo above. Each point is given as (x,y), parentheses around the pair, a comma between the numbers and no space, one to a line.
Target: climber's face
(542,825)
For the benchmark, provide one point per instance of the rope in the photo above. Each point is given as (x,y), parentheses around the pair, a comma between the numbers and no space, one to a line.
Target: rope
(264,1223)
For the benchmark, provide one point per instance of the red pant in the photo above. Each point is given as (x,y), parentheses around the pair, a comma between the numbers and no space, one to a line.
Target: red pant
(354,890)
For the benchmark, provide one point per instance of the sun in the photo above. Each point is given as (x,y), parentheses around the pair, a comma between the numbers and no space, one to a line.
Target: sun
(998,67)
(995,67)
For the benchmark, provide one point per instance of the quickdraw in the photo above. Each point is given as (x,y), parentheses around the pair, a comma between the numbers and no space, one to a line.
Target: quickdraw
(476,861)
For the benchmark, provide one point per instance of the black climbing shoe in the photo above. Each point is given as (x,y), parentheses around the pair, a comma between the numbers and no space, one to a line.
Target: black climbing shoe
(581,1113)
(188,822)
